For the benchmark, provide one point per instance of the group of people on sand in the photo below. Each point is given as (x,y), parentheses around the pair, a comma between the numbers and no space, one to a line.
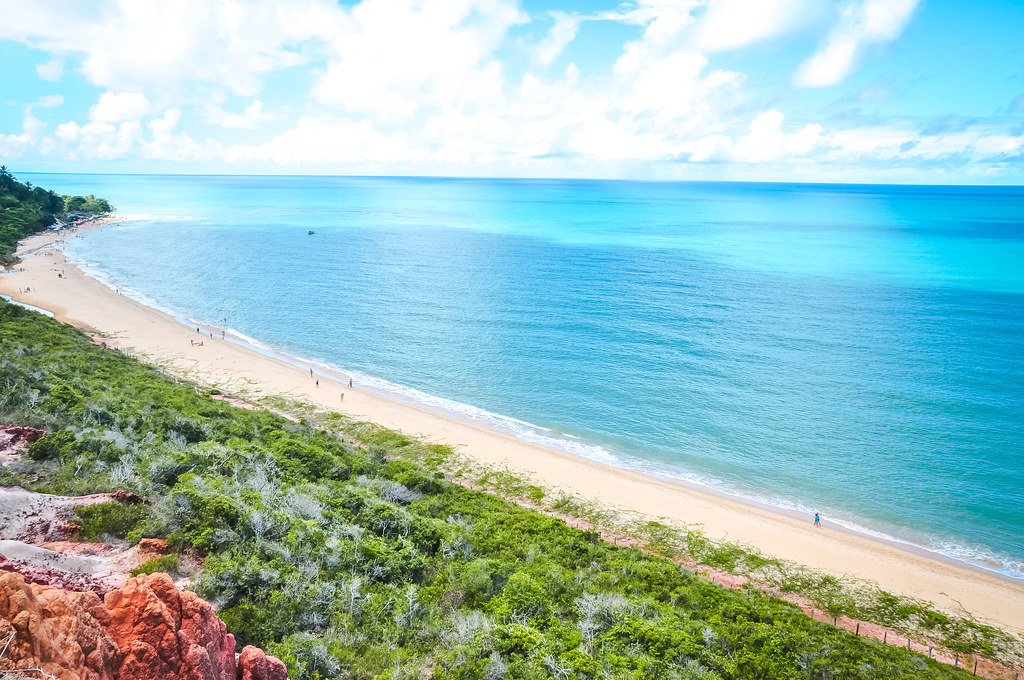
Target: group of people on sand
(317,383)
(200,342)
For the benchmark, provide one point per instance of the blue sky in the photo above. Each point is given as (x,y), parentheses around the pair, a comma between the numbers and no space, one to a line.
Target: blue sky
(922,91)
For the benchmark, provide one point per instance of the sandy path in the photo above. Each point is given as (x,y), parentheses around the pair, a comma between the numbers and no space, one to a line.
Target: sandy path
(84,302)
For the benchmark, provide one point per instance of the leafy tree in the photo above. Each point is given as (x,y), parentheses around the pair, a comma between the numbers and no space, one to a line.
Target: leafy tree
(25,209)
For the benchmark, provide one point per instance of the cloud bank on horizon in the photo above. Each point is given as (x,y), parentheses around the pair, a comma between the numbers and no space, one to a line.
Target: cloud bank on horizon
(833,90)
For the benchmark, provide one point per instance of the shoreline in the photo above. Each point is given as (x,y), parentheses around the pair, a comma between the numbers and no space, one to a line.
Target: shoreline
(898,567)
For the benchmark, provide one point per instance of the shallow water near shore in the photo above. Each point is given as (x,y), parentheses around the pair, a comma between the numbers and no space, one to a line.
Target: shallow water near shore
(856,350)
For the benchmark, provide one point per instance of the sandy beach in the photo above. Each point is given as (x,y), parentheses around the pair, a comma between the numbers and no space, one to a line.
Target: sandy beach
(78,299)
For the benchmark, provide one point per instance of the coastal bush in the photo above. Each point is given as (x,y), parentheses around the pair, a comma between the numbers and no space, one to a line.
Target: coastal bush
(60,444)
(166,564)
(356,563)
(111,519)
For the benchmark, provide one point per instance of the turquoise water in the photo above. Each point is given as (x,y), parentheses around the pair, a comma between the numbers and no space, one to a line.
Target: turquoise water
(857,350)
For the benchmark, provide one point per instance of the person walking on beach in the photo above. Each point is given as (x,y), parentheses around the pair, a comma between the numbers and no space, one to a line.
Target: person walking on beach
(350,382)
(817,520)
(311,373)
(342,396)
(318,383)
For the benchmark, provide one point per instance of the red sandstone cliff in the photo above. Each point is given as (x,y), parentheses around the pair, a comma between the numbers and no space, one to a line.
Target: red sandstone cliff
(146,630)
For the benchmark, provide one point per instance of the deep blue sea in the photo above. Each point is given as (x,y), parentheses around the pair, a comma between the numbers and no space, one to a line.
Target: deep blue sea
(857,350)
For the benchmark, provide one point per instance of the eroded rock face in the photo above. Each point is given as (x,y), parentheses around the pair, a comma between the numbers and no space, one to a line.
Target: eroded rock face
(147,630)
(60,632)
(160,630)
(15,439)
(254,664)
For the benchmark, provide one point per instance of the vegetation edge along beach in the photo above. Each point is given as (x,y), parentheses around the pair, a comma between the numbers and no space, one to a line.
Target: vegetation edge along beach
(345,548)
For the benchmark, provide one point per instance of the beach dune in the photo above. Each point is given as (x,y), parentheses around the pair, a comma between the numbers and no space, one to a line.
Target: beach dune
(84,302)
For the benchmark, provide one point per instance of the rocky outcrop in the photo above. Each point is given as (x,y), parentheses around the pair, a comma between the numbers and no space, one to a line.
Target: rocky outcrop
(15,439)
(38,517)
(46,567)
(77,566)
(33,529)
(147,630)
(166,632)
(55,631)
(253,664)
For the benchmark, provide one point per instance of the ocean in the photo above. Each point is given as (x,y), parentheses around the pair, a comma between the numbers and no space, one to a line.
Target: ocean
(849,349)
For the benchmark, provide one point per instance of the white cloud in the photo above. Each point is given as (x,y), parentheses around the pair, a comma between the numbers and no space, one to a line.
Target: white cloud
(250,117)
(877,142)
(50,101)
(730,24)
(129,45)
(339,142)
(603,140)
(116,107)
(98,139)
(562,32)
(870,21)
(659,78)
(166,143)
(764,142)
(395,57)
(649,12)
(51,70)
(16,145)
(409,86)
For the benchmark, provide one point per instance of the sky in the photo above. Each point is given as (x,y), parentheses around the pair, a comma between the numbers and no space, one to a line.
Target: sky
(901,91)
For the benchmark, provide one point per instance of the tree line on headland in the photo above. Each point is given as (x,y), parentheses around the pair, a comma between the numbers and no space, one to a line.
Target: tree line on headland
(26,209)
(343,549)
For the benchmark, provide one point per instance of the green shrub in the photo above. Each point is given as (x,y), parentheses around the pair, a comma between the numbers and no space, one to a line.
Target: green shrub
(166,564)
(109,519)
(55,445)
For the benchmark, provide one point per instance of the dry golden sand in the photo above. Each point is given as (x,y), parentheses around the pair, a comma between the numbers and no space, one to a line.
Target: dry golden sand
(84,302)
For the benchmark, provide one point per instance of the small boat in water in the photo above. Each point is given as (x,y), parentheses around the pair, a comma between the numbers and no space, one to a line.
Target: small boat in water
(310,232)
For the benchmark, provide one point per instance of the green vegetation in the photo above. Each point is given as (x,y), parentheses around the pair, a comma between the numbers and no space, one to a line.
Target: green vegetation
(363,561)
(112,520)
(167,564)
(89,205)
(25,209)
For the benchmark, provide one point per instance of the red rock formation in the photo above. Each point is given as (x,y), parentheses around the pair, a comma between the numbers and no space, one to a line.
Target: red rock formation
(153,546)
(161,630)
(147,630)
(254,664)
(59,632)
(15,439)
(126,497)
